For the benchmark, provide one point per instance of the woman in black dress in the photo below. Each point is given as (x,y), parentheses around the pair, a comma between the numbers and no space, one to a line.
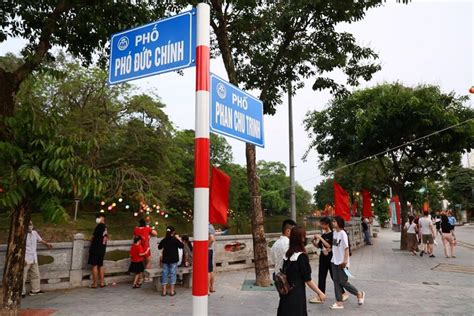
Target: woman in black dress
(298,272)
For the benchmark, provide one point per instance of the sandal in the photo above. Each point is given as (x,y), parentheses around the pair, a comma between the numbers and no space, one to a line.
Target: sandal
(316,300)
(102,286)
(91,286)
(361,299)
(135,286)
(322,298)
(163,294)
(335,306)
(173,294)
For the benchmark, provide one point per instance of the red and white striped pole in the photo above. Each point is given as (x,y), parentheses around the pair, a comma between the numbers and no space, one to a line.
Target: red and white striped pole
(201,164)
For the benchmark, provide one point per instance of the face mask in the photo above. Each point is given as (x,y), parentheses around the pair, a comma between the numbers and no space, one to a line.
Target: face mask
(30,228)
(97,220)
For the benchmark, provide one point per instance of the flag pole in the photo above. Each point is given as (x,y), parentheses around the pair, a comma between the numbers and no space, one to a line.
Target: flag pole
(201,164)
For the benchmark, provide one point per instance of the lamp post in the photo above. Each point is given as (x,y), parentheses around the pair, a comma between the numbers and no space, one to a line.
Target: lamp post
(292,154)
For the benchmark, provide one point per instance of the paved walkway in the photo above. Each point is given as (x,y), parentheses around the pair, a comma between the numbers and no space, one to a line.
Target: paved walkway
(396,283)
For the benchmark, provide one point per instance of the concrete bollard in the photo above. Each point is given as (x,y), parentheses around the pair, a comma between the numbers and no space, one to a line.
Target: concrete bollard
(75,275)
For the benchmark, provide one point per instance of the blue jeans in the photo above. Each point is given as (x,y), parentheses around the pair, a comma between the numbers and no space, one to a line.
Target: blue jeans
(367,237)
(169,271)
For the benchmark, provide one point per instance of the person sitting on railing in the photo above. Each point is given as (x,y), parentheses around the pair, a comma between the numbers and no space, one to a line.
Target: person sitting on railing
(31,261)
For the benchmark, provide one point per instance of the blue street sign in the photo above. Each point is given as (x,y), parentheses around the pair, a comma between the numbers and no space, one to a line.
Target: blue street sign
(235,113)
(154,48)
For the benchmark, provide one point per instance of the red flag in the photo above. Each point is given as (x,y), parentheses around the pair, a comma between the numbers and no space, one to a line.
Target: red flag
(219,197)
(366,204)
(341,202)
(354,208)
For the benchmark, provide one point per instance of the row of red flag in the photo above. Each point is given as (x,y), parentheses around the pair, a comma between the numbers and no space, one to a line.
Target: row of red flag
(219,200)
(342,206)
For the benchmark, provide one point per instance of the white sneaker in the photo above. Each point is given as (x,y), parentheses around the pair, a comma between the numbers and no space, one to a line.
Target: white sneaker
(335,306)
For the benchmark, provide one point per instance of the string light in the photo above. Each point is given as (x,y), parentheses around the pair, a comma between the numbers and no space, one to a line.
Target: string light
(127,207)
(120,200)
(102,203)
(135,214)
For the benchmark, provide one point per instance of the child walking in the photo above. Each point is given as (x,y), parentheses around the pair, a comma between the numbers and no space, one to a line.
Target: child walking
(137,255)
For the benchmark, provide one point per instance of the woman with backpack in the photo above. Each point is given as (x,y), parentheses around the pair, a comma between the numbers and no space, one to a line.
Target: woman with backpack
(449,240)
(297,270)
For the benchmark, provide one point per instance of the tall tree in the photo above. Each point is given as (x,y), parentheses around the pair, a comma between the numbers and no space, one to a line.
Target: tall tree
(38,167)
(82,27)
(265,44)
(383,124)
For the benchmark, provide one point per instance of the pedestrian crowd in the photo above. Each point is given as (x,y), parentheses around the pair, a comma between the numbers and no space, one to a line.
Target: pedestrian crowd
(293,270)
(292,267)
(423,231)
(175,251)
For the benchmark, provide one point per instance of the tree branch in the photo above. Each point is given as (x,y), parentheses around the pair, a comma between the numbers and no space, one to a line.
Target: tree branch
(49,26)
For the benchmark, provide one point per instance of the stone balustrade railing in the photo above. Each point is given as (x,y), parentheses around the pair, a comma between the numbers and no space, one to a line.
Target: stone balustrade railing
(65,266)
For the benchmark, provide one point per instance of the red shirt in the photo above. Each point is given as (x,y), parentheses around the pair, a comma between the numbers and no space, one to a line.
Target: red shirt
(144,233)
(135,252)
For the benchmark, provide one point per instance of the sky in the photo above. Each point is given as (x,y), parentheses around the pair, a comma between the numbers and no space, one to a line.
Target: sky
(424,42)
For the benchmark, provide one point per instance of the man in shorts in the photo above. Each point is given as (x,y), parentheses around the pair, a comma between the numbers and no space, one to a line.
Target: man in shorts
(427,234)
(97,251)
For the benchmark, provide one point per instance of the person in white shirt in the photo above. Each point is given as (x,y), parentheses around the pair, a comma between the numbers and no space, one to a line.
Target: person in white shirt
(339,263)
(411,229)
(280,247)
(31,261)
(428,234)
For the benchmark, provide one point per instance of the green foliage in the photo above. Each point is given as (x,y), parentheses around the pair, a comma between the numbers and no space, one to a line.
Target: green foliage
(387,119)
(39,166)
(459,188)
(266,43)
(83,27)
(381,210)
(324,193)
(275,186)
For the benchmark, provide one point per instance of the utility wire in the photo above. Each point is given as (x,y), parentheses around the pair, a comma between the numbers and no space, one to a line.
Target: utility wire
(378,154)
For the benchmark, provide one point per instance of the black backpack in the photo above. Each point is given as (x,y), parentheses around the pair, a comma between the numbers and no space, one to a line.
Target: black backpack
(281,280)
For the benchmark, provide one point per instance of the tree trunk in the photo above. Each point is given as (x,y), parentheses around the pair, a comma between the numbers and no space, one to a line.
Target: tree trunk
(8,89)
(262,273)
(404,215)
(15,260)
